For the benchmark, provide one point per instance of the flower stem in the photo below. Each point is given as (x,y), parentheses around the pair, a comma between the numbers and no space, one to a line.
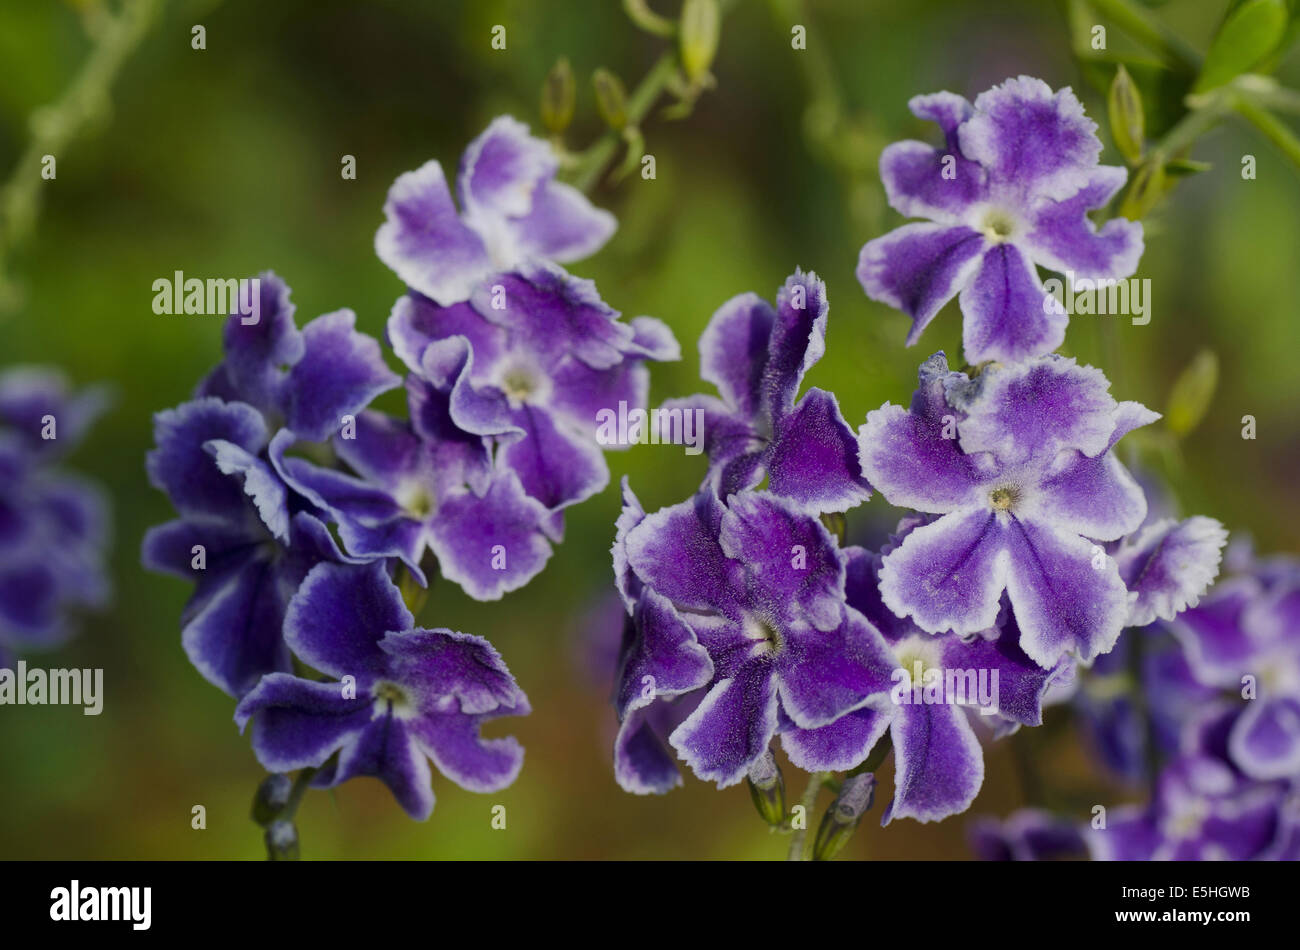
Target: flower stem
(1145,28)
(1272,127)
(592,162)
(809,802)
(115,36)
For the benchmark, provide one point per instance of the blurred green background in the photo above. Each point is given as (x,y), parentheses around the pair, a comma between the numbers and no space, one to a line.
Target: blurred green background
(224,162)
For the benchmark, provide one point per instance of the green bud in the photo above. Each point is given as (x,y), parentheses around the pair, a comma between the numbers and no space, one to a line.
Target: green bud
(281,841)
(272,795)
(611,98)
(1148,185)
(558,94)
(1127,125)
(844,815)
(1192,392)
(699,36)
(767,789)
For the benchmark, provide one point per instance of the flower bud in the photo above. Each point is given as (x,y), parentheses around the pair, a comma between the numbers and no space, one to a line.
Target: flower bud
(698,37)
(1127,124)
(1149,184)
(767,789)
(611,99)
(282,841)
(272,795)
(842,818)
(558,94)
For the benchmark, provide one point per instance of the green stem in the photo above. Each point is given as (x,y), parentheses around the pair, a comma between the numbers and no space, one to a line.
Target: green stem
(809,802)
(592,162)
(1145,28)
(115,37)
(1272,127)
(639,12)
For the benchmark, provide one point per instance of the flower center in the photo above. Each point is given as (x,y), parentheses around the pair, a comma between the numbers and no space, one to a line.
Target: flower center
(416,499)
(764,634)
(1003,499)
(522,383)
(997,225)
(388,695)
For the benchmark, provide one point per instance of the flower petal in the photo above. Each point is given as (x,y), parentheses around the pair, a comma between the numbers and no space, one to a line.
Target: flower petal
(813,459)
(1064,239)
(938,763)
(1008,315)
(731,727)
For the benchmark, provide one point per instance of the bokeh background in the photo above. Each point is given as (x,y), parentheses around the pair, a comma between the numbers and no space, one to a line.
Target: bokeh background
(225,162)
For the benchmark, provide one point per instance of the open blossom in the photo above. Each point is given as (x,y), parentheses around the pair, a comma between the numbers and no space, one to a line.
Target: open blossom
(938,762)
(1018,463)
(53,524)
(511,209)
(426,485)
(1203,810)
(243,538)
(304,380)
(1244,638)
(756,356)
(534,363)
(1009,191)
(744,602)
(401,695)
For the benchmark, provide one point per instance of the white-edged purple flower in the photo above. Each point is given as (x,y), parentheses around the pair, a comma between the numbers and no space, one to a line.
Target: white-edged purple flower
(1018,464)
(511,210)
(744,604)
(400,695)
(1009,191)
(243,538)
(1244,638)
(535,362)
(1203,810)
(938,761)
(54,524)
(757,355)
(304,380)
(426,485)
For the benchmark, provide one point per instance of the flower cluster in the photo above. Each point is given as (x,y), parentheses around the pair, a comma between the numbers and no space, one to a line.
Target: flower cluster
(1029,547)
(308,519)
(53,524)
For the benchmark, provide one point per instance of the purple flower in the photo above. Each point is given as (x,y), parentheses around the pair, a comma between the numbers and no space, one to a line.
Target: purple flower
(511,209)
(757,356)
(1202,811)
(1244,638)
(938,762)
(426,485)
(54,525)
(1169,564)
(535,363)
(1030,834)
(1009,190)
(305,380)
(243,538)
(1018,463)
(744,603)
(403,695)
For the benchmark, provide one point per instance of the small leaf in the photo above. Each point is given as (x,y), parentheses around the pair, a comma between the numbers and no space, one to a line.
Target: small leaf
(1248,35)
(1185,167)
(1127,124)
(1191,393)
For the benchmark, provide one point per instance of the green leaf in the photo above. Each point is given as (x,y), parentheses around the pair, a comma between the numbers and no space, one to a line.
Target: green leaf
(1191,393)
(1127,124)
(1185,167)
(1248,35)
